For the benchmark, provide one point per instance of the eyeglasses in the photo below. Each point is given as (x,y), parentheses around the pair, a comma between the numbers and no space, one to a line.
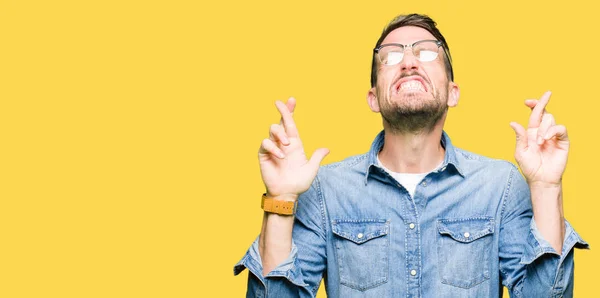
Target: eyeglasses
(423,50)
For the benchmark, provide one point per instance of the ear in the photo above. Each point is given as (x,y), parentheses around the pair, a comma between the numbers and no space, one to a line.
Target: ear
(372,100)
(453,94)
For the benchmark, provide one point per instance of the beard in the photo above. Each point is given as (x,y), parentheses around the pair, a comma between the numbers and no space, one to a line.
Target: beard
(413,114)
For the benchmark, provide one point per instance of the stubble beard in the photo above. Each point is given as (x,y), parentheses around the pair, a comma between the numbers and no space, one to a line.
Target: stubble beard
(413,114)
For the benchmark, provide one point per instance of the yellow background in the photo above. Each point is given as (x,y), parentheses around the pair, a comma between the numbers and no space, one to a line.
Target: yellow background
(129,129)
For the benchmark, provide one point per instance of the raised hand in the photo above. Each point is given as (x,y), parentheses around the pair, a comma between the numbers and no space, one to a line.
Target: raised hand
(284,167)
(543,148)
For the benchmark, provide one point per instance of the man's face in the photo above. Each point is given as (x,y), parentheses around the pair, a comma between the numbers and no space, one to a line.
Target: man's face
(412,95)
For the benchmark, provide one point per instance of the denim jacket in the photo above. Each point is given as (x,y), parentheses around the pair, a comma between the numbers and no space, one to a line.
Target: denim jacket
(468,231)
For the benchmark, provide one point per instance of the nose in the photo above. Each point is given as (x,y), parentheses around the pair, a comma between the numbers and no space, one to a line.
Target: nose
(409,61)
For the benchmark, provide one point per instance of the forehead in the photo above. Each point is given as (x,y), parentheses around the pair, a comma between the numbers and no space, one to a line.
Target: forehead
(407,35)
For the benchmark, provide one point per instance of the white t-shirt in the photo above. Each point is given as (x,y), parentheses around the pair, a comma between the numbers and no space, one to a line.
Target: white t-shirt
(409,181)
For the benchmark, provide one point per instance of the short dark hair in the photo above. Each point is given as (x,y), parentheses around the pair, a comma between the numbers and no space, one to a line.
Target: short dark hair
(417,20)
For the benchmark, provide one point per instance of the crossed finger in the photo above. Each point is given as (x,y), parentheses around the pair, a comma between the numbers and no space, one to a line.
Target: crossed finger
(286,118)
(547,122)
(291,105)
(538,111)
(279,133)
(547,128)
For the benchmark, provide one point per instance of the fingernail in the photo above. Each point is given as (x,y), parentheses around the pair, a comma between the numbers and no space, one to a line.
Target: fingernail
(281,155)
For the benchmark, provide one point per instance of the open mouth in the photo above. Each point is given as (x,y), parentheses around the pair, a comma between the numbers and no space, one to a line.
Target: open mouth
(410,84)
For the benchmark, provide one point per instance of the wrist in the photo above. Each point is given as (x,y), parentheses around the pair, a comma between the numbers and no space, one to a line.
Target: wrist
(545,185)
(546,195)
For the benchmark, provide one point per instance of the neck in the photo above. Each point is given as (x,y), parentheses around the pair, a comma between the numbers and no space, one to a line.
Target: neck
(412,152)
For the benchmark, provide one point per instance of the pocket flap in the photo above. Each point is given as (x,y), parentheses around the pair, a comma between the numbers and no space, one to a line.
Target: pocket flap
(360,231)
(466,229)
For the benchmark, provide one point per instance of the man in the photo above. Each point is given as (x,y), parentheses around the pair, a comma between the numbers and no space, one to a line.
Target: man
(415,216)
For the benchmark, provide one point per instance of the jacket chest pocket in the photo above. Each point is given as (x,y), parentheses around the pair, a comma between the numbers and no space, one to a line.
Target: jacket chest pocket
(463,250)
(362,248)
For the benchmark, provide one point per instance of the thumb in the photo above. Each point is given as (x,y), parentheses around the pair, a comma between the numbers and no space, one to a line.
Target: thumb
(521,136)
(317,157)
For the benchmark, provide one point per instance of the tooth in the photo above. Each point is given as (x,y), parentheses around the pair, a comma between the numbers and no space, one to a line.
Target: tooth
(412,85)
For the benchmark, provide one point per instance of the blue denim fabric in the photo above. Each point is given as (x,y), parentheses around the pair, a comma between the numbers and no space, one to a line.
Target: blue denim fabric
(467,231)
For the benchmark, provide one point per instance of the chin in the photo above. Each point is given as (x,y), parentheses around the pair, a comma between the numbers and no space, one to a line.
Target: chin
(413,97)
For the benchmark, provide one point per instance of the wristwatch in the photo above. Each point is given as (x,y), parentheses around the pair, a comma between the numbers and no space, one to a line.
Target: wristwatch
(278,206)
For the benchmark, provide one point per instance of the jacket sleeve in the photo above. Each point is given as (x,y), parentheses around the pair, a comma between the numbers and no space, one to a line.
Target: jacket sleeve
(300,274)
(529,265)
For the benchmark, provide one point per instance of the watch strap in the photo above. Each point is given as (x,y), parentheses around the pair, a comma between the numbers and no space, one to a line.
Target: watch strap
(278,206)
